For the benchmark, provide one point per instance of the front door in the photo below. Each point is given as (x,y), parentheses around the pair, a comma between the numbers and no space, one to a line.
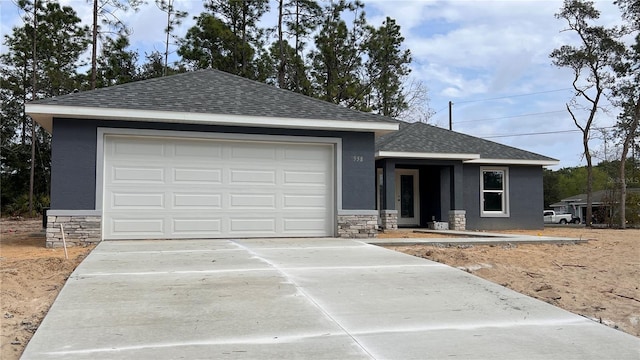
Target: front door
(407,197)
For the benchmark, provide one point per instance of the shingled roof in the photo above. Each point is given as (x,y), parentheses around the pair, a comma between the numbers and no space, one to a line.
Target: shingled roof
(597,197)
(421,138)
(209,92)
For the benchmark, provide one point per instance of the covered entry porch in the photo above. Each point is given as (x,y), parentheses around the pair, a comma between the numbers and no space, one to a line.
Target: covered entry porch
(420,193)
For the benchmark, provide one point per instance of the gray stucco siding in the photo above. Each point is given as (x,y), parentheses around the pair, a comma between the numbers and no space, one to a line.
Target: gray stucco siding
(73,165)
(358,171)
(73,177)
(525,199)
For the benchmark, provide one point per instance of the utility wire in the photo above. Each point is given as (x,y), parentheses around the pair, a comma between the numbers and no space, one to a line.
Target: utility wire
(503,97)
(512,96)
(528,134)
(509,117)
(440,109)
(541,133)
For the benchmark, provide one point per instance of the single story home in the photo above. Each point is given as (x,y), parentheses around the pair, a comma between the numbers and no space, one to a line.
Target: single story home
(208,154)
(601,204)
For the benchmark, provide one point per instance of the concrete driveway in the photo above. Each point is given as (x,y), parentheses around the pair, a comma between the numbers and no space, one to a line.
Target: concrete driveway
(301,299)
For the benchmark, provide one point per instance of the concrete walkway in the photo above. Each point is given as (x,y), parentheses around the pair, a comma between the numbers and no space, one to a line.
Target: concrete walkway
(301,299)
(453,237)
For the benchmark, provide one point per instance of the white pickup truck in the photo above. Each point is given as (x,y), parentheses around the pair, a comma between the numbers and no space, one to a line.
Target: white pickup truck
(550,217)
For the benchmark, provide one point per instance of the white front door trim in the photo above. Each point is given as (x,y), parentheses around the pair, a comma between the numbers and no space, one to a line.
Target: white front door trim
(415,220)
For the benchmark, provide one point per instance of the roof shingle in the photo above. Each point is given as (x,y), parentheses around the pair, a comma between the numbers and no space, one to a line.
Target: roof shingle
(216,92)
(423,138)
(211,92)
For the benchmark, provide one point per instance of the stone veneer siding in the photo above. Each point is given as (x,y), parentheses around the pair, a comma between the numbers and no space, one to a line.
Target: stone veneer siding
(84,229)
(457,220)
(78,229)
(358,224)
(389,219)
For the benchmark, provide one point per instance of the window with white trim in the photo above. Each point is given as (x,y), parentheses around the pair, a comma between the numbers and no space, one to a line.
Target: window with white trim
(494,192)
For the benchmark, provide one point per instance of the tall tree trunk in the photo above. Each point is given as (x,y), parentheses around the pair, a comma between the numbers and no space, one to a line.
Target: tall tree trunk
(587,154)
(25,76)
(33,97)
(586,129)
(166,45)
(298,52)
(244,38)
(633,127)
(281,66)
(94,48)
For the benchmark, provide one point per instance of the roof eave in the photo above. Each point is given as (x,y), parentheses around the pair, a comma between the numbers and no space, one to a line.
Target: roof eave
(465,158)
(424,155)
(44,114)
(549,162)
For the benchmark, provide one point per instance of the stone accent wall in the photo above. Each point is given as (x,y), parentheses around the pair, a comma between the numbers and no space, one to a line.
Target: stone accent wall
(78,229)
(357,225)
(457,220)
(389,219)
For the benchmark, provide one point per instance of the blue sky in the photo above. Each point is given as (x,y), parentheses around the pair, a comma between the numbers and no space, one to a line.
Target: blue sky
(490,58)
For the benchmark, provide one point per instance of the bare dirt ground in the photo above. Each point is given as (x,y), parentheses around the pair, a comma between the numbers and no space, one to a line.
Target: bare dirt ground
(31,277)
(599,279)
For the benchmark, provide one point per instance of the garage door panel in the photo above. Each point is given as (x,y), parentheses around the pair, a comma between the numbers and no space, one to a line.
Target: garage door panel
(252,177)
(197,227)
(193,150)
(135,226)
(252,151)
(138,174)
(145,148)
(197,188)
(252,201)
(122,200)
(197,201)
(198,176)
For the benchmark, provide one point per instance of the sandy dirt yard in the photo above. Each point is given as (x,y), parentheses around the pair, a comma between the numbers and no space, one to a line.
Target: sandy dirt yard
(599,279)
(31,277)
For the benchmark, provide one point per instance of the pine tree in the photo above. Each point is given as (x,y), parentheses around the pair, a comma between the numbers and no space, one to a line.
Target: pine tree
(337,60)
(210,44)
(293,76)
(241,18)
(297,19)
(106,11)
(387,67)
(174,18)
(116,65)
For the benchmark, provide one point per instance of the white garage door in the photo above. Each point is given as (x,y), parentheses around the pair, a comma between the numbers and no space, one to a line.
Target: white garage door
(157,187)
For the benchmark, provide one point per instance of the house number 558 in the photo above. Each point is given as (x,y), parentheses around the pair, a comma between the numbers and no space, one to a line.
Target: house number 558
(358,158)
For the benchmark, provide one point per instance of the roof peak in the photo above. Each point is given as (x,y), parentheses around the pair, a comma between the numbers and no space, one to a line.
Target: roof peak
(209,92)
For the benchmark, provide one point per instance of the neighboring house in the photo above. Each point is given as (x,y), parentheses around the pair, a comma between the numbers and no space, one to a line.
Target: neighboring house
(211,155)
(601,204)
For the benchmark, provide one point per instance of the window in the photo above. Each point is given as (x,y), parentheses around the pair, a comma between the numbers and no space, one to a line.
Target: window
(494,192)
